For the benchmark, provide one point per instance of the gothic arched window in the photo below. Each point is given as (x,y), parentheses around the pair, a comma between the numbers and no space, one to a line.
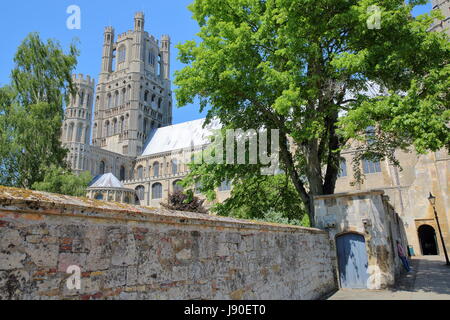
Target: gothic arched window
(156,169)
(70,132)
(159,66)
(151,58)
(94,135)
(86,136)
(145,126)
(177,186)
(107,129)
(140,172)
(122,54)
(114,126)
(157,191)
(140,192)
(342,168)
(174,166)
(79,133)
(130,93)
(116,99)
(140,123)
(122,124)
(102,167)
(127,118)
(109,101)
(81,98)
(122,173)
(124,94)
(159,103)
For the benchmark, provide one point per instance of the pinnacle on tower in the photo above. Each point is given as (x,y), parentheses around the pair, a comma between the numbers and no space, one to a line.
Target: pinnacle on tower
(139,21)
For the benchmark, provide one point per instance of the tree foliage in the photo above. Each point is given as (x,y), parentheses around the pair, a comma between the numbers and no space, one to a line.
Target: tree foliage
(62,181)
(309,68)
(273,216)
(31,111)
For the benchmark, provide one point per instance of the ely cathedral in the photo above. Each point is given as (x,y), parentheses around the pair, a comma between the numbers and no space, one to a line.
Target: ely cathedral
(136,154)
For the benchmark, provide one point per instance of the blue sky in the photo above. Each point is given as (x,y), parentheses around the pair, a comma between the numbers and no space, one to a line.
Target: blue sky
(48,17)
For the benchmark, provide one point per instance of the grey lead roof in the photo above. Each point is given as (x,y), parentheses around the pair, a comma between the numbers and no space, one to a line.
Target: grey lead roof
(107,180)
(180,136)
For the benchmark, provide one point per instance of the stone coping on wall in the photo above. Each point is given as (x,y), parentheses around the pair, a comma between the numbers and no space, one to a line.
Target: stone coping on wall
(35,203)
(350,194)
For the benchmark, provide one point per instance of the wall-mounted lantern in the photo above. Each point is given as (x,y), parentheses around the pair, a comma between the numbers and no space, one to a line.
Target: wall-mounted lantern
(432,200)
(367,223)
(331,225)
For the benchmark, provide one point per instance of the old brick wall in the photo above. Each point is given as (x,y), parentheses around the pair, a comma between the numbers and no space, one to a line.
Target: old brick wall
(127,252)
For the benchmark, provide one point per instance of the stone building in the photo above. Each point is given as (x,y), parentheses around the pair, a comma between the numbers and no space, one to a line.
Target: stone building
(364,229)
(134,140)
(128,114)
(444,6)
(408,189)
(390,204)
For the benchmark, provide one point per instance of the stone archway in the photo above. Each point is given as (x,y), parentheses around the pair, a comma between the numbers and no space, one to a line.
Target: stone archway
(427,239)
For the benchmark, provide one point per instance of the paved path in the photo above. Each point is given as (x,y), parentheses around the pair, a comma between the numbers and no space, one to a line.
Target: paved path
(429,280)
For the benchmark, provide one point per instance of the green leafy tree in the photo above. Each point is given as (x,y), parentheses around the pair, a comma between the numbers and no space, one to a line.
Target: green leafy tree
(31,111)
(62,181)
(307,67)
(279,217)
(253,195)
(8,158)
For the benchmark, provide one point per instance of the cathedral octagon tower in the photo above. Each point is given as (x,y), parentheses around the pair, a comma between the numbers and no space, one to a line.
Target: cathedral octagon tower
(133,94)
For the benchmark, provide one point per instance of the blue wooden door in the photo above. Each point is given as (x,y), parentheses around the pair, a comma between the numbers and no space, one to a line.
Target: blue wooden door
(353,262)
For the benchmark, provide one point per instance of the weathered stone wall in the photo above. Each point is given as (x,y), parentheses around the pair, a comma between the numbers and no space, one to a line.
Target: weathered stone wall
(128,252)
(369,214)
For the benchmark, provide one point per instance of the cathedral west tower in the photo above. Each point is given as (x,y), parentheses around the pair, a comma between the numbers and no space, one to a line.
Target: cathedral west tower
(133,95)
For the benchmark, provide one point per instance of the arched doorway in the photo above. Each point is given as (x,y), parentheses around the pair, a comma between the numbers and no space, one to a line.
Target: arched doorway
(427,238)
(352,261)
